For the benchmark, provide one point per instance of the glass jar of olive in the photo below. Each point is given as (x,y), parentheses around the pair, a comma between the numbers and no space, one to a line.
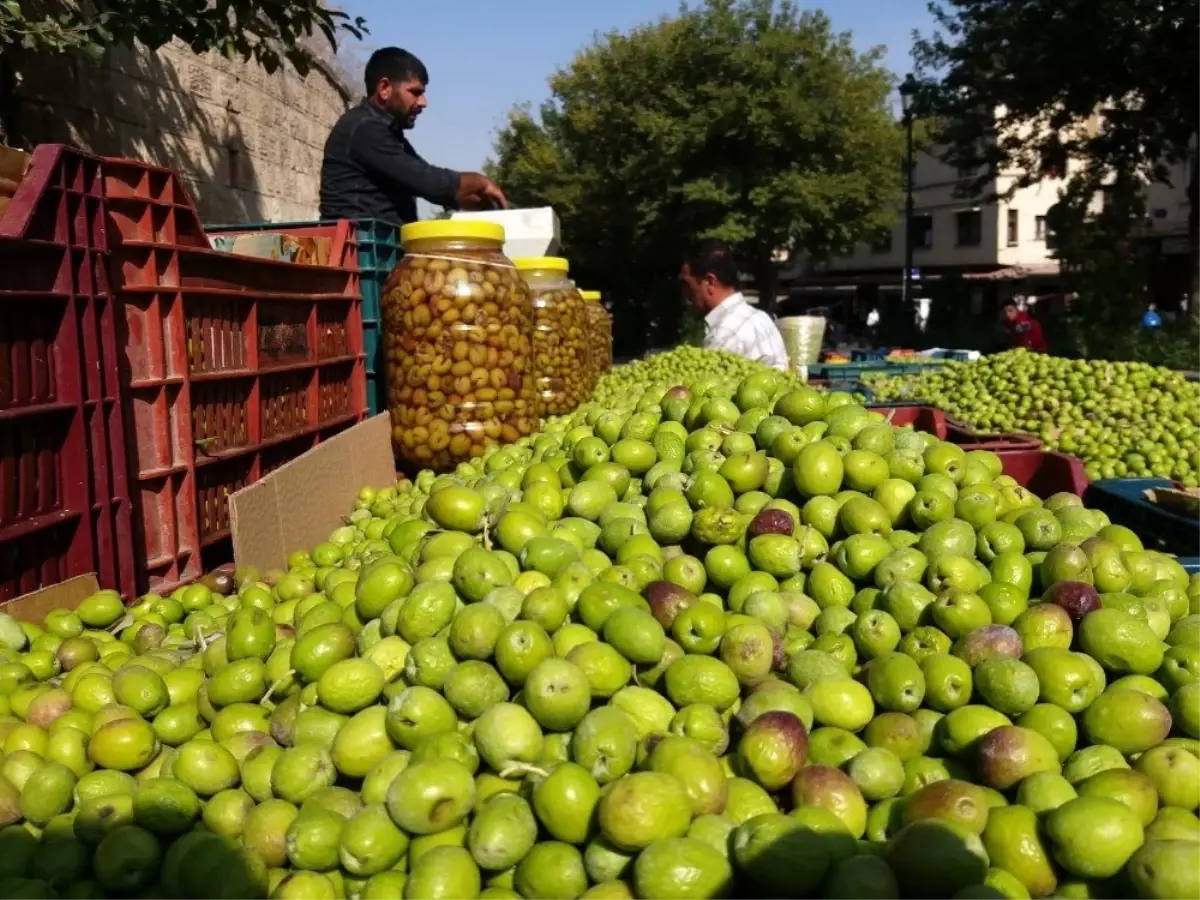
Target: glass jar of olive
(562,368)
(599,326)
(457,329)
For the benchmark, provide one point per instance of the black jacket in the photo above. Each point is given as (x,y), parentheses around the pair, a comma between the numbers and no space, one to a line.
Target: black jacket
(371,171)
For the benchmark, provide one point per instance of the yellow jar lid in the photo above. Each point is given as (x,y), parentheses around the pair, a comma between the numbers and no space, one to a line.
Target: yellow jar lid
(553,263)
(590,296)
(451,229)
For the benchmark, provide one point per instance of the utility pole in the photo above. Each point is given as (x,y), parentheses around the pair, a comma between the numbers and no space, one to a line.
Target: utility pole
(908,90)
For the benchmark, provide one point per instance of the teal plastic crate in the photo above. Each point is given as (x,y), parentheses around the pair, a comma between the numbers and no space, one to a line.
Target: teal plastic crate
(378,252)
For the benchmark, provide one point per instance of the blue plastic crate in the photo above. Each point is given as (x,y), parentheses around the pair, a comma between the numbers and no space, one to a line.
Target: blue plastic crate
(869,354)
(1124,501)
(1191,564)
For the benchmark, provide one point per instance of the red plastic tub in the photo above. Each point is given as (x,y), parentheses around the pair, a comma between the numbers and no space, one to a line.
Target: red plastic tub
(936,422)
(920,418)
(1045,472)
(998,442)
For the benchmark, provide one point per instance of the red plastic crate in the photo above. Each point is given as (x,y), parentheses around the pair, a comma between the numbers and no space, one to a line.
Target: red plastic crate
(919,418)
(221,416)
(1045,472)
(285,402)
(65,507)
(232,365)
(214,484)
(947,428)
(998,442)
(338,392)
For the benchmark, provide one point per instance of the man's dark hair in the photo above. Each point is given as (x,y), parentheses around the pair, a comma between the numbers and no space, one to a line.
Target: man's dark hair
(394,64)
(713,257)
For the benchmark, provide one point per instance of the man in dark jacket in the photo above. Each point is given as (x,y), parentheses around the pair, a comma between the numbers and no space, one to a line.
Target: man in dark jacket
(371,171)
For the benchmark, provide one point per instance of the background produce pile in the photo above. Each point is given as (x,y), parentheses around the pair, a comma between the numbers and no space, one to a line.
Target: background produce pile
(1122,419)
(682,365)
(737,639)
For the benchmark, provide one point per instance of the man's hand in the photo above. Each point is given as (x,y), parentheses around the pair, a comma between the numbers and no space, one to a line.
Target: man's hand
(474,202)
(476,191)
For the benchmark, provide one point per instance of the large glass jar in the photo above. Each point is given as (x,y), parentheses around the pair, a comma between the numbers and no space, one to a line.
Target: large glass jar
(562,367)
(599,325)
(457,325)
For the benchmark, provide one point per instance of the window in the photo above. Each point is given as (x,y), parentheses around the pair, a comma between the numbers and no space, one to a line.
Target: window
(1043,232)
(883,244)
(969,224)
(922,232)
(1014,228)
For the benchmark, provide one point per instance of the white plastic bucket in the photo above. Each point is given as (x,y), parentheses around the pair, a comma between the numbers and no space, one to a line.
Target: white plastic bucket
(802,338)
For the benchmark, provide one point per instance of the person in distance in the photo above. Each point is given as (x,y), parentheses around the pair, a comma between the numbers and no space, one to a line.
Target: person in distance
(709,277)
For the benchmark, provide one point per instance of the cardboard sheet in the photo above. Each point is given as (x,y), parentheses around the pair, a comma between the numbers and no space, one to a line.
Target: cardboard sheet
(67,594)
(298,505)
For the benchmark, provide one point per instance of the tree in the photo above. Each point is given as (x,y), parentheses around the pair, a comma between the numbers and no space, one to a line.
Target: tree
(266,31)
(1025,86)
(1098,260)
(748,121)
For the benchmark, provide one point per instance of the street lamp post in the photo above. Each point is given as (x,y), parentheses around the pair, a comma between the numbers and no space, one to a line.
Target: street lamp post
(908,90)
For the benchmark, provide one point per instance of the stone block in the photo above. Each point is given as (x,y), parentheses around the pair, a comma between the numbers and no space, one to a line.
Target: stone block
(130,99)
(199,79)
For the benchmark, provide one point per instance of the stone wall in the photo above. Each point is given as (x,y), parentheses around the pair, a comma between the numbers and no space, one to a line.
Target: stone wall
(247,143)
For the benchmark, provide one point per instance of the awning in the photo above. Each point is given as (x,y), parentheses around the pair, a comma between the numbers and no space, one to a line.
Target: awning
(1048,269)
(890,279)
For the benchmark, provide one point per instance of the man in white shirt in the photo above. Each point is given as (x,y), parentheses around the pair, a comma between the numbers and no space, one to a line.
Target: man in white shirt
(710,277)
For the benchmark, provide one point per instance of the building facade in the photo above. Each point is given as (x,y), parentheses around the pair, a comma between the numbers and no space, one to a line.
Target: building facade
(992,250)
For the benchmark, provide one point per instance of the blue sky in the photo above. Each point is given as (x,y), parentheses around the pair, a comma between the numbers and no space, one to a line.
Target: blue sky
(485,56)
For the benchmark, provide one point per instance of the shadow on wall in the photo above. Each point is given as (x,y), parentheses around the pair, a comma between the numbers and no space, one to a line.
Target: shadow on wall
(132,103)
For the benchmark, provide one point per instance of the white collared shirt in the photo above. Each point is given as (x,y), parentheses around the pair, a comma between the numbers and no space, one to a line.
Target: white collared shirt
(738,327)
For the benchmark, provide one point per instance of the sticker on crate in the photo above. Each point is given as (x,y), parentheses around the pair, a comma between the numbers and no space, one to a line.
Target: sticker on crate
(283,247)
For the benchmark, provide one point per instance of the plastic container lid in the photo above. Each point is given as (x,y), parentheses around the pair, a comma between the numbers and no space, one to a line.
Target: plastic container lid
(527,232)
(553,263)
(450,229)
(590,296)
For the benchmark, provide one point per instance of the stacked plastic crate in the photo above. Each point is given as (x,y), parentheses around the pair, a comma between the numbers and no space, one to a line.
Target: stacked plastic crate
(232,366)
(378,252)
(64,496)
